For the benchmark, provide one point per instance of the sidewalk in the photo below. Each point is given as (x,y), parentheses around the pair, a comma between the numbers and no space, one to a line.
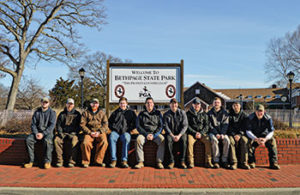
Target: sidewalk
(148,177)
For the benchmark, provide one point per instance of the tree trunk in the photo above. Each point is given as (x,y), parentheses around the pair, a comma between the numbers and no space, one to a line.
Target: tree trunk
(12,96)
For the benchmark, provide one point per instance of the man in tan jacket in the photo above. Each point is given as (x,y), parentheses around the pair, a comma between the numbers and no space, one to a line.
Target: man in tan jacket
(94,124)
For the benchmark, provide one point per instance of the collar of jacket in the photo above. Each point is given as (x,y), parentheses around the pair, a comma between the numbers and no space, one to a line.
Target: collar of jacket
(193,111)
(215,112)
(72,111)
(91,111)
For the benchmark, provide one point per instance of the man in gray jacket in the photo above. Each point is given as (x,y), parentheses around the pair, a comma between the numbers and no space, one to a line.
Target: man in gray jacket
(219,121)
(42,126)
(176,124)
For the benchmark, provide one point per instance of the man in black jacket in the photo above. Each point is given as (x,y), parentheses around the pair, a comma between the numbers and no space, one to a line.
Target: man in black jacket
(42,126)
(218,129)
(236,133)
(176,124)
(121,123)
(149,125)
(260,131)
(197,130)
(67,127)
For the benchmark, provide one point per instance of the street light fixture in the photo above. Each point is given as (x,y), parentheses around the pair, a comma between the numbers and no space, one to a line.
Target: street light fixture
(290,76)
(81,73)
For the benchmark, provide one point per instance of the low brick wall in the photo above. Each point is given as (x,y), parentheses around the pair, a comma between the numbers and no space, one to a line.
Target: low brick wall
(13,152)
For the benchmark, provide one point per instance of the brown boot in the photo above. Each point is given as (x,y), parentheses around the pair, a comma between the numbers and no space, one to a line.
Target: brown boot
(245,166)
(112,164)
(47,165)
(124,164)
(252,165)
(216,165)
(139,165)
(159,165)
(191,165)
(183,165)
(171,166)
(208,165)
(234,166)
(275,166)
(28,165)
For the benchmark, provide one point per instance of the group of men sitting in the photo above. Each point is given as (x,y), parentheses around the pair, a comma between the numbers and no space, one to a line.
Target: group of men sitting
(233,130)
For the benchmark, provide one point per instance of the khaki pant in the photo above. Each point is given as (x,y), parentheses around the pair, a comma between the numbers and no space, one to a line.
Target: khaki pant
(139,146)
(215,148)
(87,146)
(242,145)
(190,152)
(71,149)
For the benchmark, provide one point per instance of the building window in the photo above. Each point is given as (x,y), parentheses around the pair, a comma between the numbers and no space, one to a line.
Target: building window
(249,96)
(267,96)
(277,96)
(197,91)
(258,96)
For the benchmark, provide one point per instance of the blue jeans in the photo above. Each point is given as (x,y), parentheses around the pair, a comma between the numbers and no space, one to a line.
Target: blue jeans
(125,139)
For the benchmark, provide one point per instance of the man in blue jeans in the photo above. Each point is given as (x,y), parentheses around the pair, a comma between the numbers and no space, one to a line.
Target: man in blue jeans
(121,122)
(42,126)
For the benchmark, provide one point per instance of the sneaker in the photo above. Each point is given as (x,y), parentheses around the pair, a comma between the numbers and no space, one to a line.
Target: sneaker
(139,165)
(100,164)
(47,165)
(59,165)
(28,165)
(216,165)
(191,165)
(225,165)
(252,165)
(124,164)
(275,166)
(112,164)
(171,166)
(85,165)
(234,166)
(183,165)
(245,166)
(209,165)
(71,165)
(159,165)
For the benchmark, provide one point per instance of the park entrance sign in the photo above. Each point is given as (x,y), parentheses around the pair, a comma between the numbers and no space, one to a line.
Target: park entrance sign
(136,82)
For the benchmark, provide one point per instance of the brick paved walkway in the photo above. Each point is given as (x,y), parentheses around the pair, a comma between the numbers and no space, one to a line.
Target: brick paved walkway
(148,177)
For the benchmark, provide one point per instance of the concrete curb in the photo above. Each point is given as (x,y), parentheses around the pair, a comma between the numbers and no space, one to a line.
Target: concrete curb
(145,191)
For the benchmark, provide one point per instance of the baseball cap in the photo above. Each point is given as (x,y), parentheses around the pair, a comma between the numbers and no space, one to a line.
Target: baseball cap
(95,100)
(173,100)
(260,107)
(70,101)
(196,101)
(45,99)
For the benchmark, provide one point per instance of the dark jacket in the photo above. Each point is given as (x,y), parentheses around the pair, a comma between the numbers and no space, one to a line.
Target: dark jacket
(93,122)
(175,123)
(68,122)
(218,121)
(237,123)
(149,123)
(122,121)
(198,122)
(43,122)
(260,128)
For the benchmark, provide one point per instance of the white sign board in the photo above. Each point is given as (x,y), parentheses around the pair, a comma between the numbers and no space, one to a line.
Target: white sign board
(138,83)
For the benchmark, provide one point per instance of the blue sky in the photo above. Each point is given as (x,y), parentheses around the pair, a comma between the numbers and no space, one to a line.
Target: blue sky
(222,43)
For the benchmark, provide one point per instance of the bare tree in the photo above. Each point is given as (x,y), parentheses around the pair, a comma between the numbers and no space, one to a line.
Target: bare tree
(95,67)
(30,94)
(32,30)
(283,56)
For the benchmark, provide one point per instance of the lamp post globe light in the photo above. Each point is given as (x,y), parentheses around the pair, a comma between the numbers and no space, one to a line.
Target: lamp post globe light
(81,73)
(290,76)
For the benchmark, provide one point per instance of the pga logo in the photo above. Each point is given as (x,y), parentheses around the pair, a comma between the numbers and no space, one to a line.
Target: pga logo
(145,93)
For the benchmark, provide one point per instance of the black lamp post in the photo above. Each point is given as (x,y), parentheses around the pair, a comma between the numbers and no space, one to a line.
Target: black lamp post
(241,101)
(290,76)
(81,73)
